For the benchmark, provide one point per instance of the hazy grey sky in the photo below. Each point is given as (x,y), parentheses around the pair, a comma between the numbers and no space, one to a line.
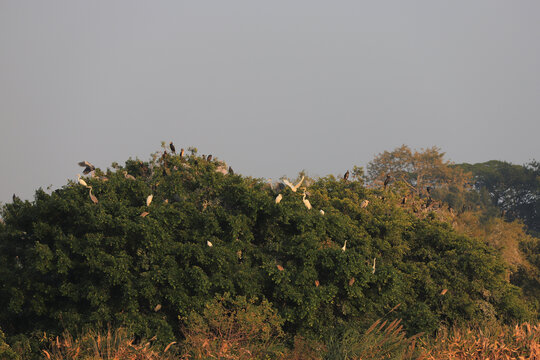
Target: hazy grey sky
(271,87)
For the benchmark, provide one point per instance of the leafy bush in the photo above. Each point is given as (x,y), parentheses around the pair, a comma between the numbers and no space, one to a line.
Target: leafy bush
(69,263)
(233,329)
(382,340)
(6,352)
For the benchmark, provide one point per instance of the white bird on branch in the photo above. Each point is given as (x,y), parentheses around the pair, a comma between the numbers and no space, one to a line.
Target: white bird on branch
(344,246)
(306,201)
(278,198)
(364,204)
(128,176)
(81,181)
(293,187)
(149,200)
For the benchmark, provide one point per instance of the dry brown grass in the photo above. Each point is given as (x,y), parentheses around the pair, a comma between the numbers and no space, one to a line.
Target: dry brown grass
(492,342)
(383,340)
(113,345)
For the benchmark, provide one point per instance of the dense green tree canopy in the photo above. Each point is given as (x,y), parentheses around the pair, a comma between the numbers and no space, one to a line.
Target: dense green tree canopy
(67,261)
(515,189)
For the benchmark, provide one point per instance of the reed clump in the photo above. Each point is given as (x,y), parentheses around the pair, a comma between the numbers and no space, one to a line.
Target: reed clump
(489,341)
(115,344)
(231,337)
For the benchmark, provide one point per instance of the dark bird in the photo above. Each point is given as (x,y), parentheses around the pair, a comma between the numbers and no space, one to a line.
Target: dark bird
(88,168)
(181,152)
(386,181)
(209,158)
(172,147)
(404,201)
(231,171)
(346,176)
(428,189)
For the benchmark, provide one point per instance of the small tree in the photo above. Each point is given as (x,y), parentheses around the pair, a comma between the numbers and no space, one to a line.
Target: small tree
(416,169)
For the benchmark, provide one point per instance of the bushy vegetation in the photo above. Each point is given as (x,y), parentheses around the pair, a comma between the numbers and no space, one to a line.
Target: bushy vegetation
(149,246)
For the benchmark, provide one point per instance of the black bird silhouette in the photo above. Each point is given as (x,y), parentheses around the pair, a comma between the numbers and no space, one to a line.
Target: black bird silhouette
(172,147)
(209,158)
(428,189)
(231,171)
(346,176)
(387,180)
(88,168)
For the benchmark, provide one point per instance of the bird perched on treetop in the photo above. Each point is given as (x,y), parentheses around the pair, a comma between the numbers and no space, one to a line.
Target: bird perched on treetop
(181,152)
(346,176)
(306,201)
(231,171)
(293,187)
(209,158)
(387,180)
(172,147)
(88,168)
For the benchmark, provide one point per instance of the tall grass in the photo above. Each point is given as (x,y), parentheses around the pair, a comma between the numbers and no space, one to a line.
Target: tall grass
(491,341)
(112,345)
(383,340)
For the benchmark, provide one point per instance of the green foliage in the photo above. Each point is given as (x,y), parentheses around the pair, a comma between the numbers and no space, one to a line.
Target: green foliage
(67,263)
(233,328)
(6,352)
(382,340)
(515,189)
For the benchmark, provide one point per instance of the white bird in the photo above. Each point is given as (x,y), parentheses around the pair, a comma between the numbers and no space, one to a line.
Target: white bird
(128,176)
(293,187)
(81,181)
(344,246)
(278,198)
(321,211)
(374,260)
(364,204)
(306,201)
(149,200)
(209,243)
